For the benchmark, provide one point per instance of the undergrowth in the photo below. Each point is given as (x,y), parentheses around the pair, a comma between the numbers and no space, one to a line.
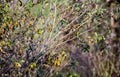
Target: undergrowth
(57,38)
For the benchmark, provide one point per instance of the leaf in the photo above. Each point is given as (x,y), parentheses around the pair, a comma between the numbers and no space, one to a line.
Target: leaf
(58,1)
(9,43)
(29,5)
(46,11)
(33,65)
(21,61)
(75,75)
(40,31)
(35,10)
(57,62)
(17,65)
(63,53)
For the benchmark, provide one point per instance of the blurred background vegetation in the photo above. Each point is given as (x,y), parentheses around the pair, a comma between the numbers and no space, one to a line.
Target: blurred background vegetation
(59,38)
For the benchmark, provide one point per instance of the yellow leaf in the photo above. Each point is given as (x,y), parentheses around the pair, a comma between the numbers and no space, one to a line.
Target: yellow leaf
(57,62)
(63,53)
(16,23)
(40,31)
(4,25)
(17,65)
(77,33)
(32,65)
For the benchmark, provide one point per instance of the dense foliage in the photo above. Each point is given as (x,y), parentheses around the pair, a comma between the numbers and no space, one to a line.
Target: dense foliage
(59,38)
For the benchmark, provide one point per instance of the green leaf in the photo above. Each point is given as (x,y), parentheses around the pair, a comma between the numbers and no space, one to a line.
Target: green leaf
(59,1)
(46,11)
(29,5)
(21,61)
(35,10)
(75,75)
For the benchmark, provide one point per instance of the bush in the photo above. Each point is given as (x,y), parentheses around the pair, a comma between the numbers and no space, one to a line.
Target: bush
(58,38)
